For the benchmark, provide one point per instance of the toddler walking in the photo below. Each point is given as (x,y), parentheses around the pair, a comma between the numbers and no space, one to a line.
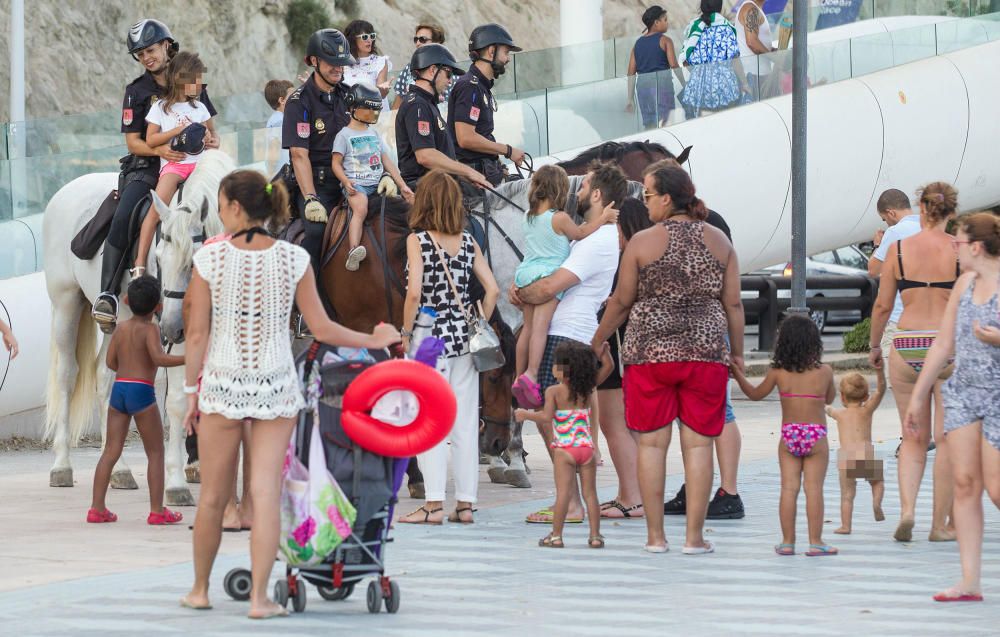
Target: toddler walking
(181,120)
(805,386)
(360,159)
(856,456)
(547,233)
(134,354)
(568,406)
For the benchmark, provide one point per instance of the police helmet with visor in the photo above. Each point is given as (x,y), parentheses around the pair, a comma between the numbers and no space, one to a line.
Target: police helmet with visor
(331,46)
(148,32)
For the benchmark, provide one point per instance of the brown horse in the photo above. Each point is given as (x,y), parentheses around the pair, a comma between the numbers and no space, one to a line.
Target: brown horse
(631,157)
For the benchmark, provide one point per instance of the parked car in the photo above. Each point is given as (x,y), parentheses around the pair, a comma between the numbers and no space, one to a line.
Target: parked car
(849,260)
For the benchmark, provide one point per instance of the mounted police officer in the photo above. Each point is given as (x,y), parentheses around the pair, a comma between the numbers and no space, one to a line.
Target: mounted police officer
(151,44)
(314,114)
(422,139)
(471,104)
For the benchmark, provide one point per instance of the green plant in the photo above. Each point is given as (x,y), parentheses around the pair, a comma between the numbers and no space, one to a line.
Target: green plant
(349,8)
(856,339)
(303,18)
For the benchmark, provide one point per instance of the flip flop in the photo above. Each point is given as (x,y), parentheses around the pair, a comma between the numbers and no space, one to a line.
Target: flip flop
(456,515)
(784,549)
(626,511)
(526,392)
(699,550)
(548,514)
(958,596)
(819,550)
(652,548)
(426,520)
(99,517)
(187,604)
(280,612)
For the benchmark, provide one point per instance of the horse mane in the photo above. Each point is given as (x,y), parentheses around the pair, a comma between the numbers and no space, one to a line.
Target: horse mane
(200,195)
(614,151)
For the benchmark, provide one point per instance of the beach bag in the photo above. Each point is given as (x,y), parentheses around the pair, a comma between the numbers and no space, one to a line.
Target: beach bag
(316,516)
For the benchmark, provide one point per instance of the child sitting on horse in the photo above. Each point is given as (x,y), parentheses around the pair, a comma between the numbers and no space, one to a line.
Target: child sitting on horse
(360,160)
(181,120)
(547,233)
(568,407)
(134,354)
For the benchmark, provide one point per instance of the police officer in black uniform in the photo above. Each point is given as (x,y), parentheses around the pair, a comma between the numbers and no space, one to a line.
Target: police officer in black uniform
(152,45)
(314,114)
(422,139)
(471,104)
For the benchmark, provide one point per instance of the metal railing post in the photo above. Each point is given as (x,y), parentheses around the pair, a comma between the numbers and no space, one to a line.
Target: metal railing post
(767,321)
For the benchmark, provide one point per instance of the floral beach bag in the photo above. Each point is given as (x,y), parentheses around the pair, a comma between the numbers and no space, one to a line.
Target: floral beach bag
(316,516)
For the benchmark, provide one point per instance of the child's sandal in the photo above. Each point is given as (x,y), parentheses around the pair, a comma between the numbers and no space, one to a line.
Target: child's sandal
(596,542)
(551,542)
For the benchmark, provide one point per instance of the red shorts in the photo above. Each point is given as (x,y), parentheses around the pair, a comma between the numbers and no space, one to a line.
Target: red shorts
(655,394)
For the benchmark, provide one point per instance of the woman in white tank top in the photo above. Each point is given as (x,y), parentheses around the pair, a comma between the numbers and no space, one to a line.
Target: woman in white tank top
(241,297)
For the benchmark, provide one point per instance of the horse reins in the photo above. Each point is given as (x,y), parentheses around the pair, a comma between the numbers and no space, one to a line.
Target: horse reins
(529,165)
(390,280)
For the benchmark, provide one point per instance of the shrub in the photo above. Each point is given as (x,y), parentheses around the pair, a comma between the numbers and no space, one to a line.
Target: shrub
(856,339)
(303,18)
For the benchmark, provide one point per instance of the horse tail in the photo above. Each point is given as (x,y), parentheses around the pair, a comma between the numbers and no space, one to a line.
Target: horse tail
(82,399)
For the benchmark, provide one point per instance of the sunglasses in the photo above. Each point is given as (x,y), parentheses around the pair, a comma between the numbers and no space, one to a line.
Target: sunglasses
(421,39)
(646,194)
(955,243)
(367,36)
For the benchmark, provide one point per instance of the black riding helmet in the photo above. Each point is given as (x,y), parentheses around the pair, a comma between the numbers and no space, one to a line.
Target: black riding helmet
(488,35)
(431,54)
(146,33)
(363,95)
(331,46)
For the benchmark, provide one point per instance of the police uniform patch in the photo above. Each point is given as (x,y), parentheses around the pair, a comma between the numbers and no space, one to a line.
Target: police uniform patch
(424,128)
(127,116)
(474,113)
(320,125)
(302,128)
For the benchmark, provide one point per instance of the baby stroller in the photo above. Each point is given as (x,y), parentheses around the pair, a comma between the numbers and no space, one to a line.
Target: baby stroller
(369,480)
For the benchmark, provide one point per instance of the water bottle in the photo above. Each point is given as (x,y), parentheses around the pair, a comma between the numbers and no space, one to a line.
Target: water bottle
(422,328)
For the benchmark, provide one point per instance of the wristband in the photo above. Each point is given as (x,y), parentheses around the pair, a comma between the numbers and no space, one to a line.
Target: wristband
(405,333)
(190,389)
(510,151)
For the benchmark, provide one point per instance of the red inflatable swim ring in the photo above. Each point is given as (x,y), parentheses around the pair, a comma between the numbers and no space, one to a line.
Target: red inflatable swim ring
(433,422)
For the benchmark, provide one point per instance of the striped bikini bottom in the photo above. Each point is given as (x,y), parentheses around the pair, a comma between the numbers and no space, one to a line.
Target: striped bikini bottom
(912,347)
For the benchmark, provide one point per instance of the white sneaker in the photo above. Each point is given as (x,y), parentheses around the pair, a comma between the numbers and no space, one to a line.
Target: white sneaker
(355,257)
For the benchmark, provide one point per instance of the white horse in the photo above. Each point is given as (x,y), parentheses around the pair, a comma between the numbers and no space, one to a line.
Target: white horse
(79,382)
(503,228)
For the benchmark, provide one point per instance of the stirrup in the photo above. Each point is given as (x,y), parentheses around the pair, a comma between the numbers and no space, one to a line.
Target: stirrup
(105,312)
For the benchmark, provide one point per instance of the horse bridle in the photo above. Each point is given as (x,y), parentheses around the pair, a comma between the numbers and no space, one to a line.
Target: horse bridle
(196,240)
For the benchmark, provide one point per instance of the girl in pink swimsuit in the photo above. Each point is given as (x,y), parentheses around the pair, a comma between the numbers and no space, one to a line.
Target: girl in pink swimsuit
(806,386)
(568,406)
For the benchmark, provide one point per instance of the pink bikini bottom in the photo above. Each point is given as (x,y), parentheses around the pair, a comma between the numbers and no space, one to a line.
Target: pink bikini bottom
(800,438)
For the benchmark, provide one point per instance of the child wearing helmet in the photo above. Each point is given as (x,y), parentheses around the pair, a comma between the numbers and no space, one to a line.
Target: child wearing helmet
(360,159)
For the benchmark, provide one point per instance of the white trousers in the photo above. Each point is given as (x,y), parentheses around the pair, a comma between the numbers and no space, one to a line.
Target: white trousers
(464,438)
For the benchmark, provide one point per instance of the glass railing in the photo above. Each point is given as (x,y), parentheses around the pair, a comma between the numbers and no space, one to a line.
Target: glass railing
(543,122)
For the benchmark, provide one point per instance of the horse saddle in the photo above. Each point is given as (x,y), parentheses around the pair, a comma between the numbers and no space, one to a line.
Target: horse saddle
(86,244)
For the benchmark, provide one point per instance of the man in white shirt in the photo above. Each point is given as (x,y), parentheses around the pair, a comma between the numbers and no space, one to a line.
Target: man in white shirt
(586,278)
(893,207)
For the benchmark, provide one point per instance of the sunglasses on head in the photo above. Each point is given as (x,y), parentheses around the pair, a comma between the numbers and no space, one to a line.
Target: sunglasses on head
(367,36)
(421,39)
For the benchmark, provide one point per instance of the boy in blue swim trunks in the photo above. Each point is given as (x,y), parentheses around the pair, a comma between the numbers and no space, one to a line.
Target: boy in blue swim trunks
(134,354)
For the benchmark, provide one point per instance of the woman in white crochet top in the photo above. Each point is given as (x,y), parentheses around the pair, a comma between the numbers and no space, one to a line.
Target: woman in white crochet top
(241,296)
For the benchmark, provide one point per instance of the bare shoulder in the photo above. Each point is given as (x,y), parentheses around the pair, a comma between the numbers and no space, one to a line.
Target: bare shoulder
(964,282)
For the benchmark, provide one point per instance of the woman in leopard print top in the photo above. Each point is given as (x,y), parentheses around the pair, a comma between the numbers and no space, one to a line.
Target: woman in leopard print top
(679,286)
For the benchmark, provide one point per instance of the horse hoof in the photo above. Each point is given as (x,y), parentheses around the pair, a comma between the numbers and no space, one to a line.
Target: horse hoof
(497,475)
(192,474)
(180,496)
(61,477)
(517,478)
(123,480)
(416,490)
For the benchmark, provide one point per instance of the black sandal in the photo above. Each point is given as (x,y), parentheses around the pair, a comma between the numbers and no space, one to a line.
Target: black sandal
(456,517)
(427,517)
(615,504)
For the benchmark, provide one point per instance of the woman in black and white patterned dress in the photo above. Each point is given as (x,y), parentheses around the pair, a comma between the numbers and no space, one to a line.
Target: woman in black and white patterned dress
(438,219)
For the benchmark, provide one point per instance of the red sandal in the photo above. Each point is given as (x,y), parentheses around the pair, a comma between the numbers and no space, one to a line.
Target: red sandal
(165,517)
(98,517)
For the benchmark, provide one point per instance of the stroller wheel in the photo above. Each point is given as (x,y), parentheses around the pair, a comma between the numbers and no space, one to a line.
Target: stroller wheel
(281,592)
(374,597)
(334,594)
(299,600)
(392,601)
(237,584)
